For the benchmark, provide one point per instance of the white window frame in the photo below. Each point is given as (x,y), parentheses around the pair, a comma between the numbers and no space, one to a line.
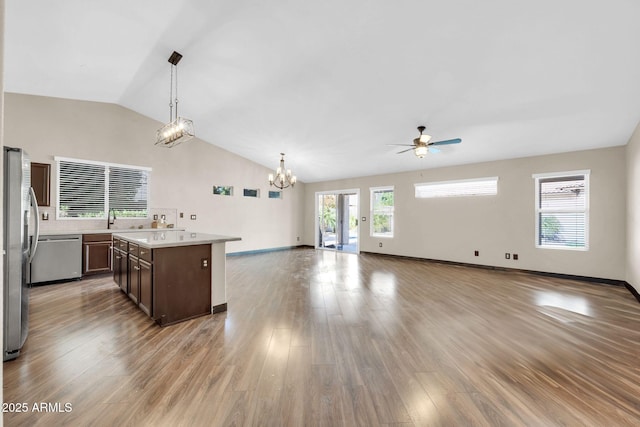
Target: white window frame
(372,213)
(244,193)
(538,210)
(457,188)
(273,193)
(106,166)
(229,187)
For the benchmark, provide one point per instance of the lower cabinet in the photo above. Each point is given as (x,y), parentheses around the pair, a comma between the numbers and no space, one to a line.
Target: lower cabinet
(117,267)
(134,278)
(120,264)
(96,253)
(169,284)
(181,283)
(135,274)
(145,277)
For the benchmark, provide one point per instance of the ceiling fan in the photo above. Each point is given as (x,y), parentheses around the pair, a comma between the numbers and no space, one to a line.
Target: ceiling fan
(422,144)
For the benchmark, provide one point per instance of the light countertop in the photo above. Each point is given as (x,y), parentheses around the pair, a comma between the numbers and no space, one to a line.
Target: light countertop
(167,237)
(103,231)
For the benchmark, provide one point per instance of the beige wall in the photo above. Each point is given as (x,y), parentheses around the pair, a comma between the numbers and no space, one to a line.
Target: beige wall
(452,228)
(446,229)
(633,210)
(182,177)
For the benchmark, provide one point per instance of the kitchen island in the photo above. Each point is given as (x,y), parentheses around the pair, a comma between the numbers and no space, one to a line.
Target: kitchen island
(172,275)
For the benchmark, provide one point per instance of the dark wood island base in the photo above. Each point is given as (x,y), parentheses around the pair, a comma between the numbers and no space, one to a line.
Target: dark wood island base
(170,275)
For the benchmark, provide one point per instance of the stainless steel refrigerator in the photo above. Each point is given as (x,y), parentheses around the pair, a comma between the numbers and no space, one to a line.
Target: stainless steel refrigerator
(20,231)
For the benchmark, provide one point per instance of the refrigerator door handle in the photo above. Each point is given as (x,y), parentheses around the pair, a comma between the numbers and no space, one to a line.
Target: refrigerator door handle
(34,204)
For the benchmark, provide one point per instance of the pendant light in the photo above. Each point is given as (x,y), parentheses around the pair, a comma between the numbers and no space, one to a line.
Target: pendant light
(179,129)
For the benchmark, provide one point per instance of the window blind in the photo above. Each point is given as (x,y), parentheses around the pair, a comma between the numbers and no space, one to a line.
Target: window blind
(562,211)
(465,187)
(81,190)
(128,192)
(88,189)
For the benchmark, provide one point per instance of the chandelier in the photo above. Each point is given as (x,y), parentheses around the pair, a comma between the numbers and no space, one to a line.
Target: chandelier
(283,177)
(179,129)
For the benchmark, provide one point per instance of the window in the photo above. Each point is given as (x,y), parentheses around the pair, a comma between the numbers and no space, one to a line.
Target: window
(88,189)
(223,190)
(251,192)
(562,210)
(275,194)
(382,205)
(463,187)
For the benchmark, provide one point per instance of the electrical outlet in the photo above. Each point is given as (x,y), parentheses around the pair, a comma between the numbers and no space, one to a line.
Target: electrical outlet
(181,214)
(476,253)
(364,218)
(380,244)
(155,217)
(507,255)
(193,217)
(515,257)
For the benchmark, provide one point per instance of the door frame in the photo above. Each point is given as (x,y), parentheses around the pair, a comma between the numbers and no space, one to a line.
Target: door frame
(316,239)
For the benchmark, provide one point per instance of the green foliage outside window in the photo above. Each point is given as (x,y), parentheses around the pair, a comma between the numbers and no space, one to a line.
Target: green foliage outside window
(382,212)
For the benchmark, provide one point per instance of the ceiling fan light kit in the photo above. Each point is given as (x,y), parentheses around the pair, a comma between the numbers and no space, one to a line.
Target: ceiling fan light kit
(421,151)
(179,129)
(425,139)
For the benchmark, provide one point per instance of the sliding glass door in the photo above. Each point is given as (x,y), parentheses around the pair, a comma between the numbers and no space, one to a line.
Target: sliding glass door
(337,220)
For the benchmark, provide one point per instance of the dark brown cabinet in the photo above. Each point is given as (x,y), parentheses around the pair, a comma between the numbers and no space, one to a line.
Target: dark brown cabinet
(181,283)
(133,273)
(119,268)
(169,284)
(120,248)
(40,181)
(145,279)
(96,250)
(134,278)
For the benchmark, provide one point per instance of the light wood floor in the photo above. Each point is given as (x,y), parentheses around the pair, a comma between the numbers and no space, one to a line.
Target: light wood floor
(323,338)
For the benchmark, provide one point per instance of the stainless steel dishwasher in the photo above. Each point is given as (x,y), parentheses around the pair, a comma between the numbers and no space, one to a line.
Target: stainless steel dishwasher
(59,257)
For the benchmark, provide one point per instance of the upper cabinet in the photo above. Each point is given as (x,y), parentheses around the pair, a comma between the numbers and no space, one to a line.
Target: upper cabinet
(40,181)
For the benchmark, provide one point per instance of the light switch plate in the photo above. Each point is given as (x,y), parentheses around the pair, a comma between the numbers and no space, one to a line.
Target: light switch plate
(193,217)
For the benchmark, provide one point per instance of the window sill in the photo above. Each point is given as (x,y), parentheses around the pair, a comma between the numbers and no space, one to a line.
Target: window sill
(564,248)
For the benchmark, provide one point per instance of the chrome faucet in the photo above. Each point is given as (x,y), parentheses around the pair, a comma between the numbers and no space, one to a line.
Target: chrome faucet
(111,221)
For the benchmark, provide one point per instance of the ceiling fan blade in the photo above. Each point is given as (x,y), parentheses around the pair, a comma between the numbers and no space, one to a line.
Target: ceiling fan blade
(448,141)
(404,151)
(434,150)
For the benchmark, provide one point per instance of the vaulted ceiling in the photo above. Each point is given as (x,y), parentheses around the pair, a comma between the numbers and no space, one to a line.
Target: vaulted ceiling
(331,83)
